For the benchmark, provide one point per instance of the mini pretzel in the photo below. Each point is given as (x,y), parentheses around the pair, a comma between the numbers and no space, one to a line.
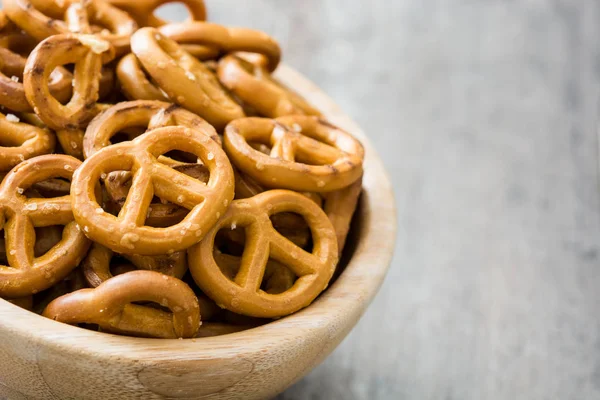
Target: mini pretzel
(160,215)
(22,141)
(110,306)
(186,80)
(87,53)
(12,93)
(42,19)
(308,153)
(97,264)
(143,10)
(225,39)
(144,114)
(340,207)
(243,294)
(127,233)
(27,274)
(254,85)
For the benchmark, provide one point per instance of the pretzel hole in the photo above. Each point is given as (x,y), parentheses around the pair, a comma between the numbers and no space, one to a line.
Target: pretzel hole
(182,156)
(46,238)
(127,134)
(294,227)
(174,9)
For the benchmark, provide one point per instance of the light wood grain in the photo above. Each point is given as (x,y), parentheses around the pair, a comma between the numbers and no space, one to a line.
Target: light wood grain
(43,359)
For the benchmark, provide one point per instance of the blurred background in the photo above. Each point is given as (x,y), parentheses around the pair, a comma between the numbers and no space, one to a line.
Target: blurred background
(485,114)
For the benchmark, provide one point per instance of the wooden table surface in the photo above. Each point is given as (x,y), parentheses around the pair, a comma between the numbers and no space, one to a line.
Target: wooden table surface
(485,112)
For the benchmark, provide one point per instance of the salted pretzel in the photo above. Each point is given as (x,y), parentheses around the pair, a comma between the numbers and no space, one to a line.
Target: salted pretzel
(97,266)
(110,306)
(243,294)
(186,80)
(144,114)
(88,53)
(25,273)
(253,84)
(143,10)
(20,141)
(42,19)
(225,39)
(160,214)
(307,153)
(127,232)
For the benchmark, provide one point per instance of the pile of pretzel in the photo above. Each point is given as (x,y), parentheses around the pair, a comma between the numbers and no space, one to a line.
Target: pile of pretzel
(155,175)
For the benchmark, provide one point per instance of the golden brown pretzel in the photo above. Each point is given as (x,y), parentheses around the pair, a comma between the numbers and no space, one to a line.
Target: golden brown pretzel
(225,39)
(186,80)
(143,10)
(340,207)
(20,141)
(27,274)
(42,19)
(12,93)
(134,81)
(307,154)
(243,295)
(88,54)
(97,264)
(254,85)
(127,232)
(160,214)
(110,306)
(144,114)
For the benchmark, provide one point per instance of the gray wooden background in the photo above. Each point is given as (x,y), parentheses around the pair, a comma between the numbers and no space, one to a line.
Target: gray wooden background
(485,113)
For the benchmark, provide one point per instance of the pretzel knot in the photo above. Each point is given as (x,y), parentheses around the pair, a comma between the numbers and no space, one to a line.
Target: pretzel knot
(186,80)
(88,53)
(243,294)
(25,273)
(307,153)
(127,233)
(110,306)
(20,141)
(143,10)
(225,39)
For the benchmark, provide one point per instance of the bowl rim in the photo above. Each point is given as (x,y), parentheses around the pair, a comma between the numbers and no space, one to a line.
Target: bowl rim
(349,295)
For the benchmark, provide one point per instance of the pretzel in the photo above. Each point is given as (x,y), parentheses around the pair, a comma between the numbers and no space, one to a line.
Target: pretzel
(12,93)
(308,153)
(73,282)
(143,10)
(110,306)
(160,215)
(186,80)
(97,265)
(144,114)
(225,39)
(253,84)
(45,239)
(243,294)
(87,53)
(20,141)
(126,233)
(27,274)
(43,19)
(340,207)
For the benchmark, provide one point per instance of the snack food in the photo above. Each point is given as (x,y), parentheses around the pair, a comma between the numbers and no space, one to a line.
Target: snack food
(158,180)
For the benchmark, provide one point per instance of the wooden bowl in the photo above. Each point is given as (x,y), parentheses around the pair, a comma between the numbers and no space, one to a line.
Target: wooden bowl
(44,359)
